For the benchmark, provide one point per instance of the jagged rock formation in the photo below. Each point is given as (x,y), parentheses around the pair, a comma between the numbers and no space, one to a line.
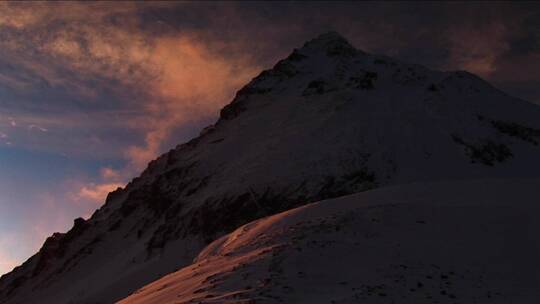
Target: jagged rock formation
(329,120)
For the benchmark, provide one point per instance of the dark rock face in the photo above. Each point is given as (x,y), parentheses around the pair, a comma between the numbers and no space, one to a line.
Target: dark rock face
(318,87)
(232,110)
(513,129)
(57,245)
(486,152)
(365,82)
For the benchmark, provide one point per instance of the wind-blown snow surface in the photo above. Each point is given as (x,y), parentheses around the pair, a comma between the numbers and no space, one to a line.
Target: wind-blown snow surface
(327,121)
(447,242)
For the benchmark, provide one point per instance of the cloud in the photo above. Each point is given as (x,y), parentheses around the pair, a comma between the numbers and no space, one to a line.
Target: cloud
(108,173)
(90,194)
(4,138)
(95,193)
(478,49)
(176,63)
(175,78)
(194,83)
(36,127)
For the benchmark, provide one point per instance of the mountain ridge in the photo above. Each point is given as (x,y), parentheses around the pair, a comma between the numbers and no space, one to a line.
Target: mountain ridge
(328,120)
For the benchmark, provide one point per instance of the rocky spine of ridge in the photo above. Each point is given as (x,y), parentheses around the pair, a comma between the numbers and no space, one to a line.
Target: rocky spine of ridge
(140,193)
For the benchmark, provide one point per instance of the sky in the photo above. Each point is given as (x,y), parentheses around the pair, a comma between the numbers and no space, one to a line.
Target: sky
(90,92)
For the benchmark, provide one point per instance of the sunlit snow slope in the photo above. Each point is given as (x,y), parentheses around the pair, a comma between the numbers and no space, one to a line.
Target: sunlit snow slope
(447,242)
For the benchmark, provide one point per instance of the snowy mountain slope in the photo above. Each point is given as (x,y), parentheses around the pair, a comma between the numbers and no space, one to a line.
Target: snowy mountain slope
(327,121)
(446,242)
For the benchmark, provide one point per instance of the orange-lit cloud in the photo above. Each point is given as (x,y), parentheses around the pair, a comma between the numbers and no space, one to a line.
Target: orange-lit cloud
(477,50)
(89,194)
(110,174)
(193,83)
(183,77)
(96,193)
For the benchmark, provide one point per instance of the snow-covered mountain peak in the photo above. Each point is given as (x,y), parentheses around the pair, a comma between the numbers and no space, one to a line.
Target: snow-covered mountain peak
(324,38)
(324,122)
(331,44)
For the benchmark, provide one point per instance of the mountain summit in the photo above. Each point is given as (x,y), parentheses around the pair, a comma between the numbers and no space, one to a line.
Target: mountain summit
(327,121)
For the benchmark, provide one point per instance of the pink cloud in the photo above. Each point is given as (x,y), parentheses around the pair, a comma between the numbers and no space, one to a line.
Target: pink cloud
(95,193)
(194,82)
(109,174)
(184,74)
(477,49)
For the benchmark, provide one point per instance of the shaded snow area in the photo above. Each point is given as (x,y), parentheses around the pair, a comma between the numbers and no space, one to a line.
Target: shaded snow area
(446,242)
